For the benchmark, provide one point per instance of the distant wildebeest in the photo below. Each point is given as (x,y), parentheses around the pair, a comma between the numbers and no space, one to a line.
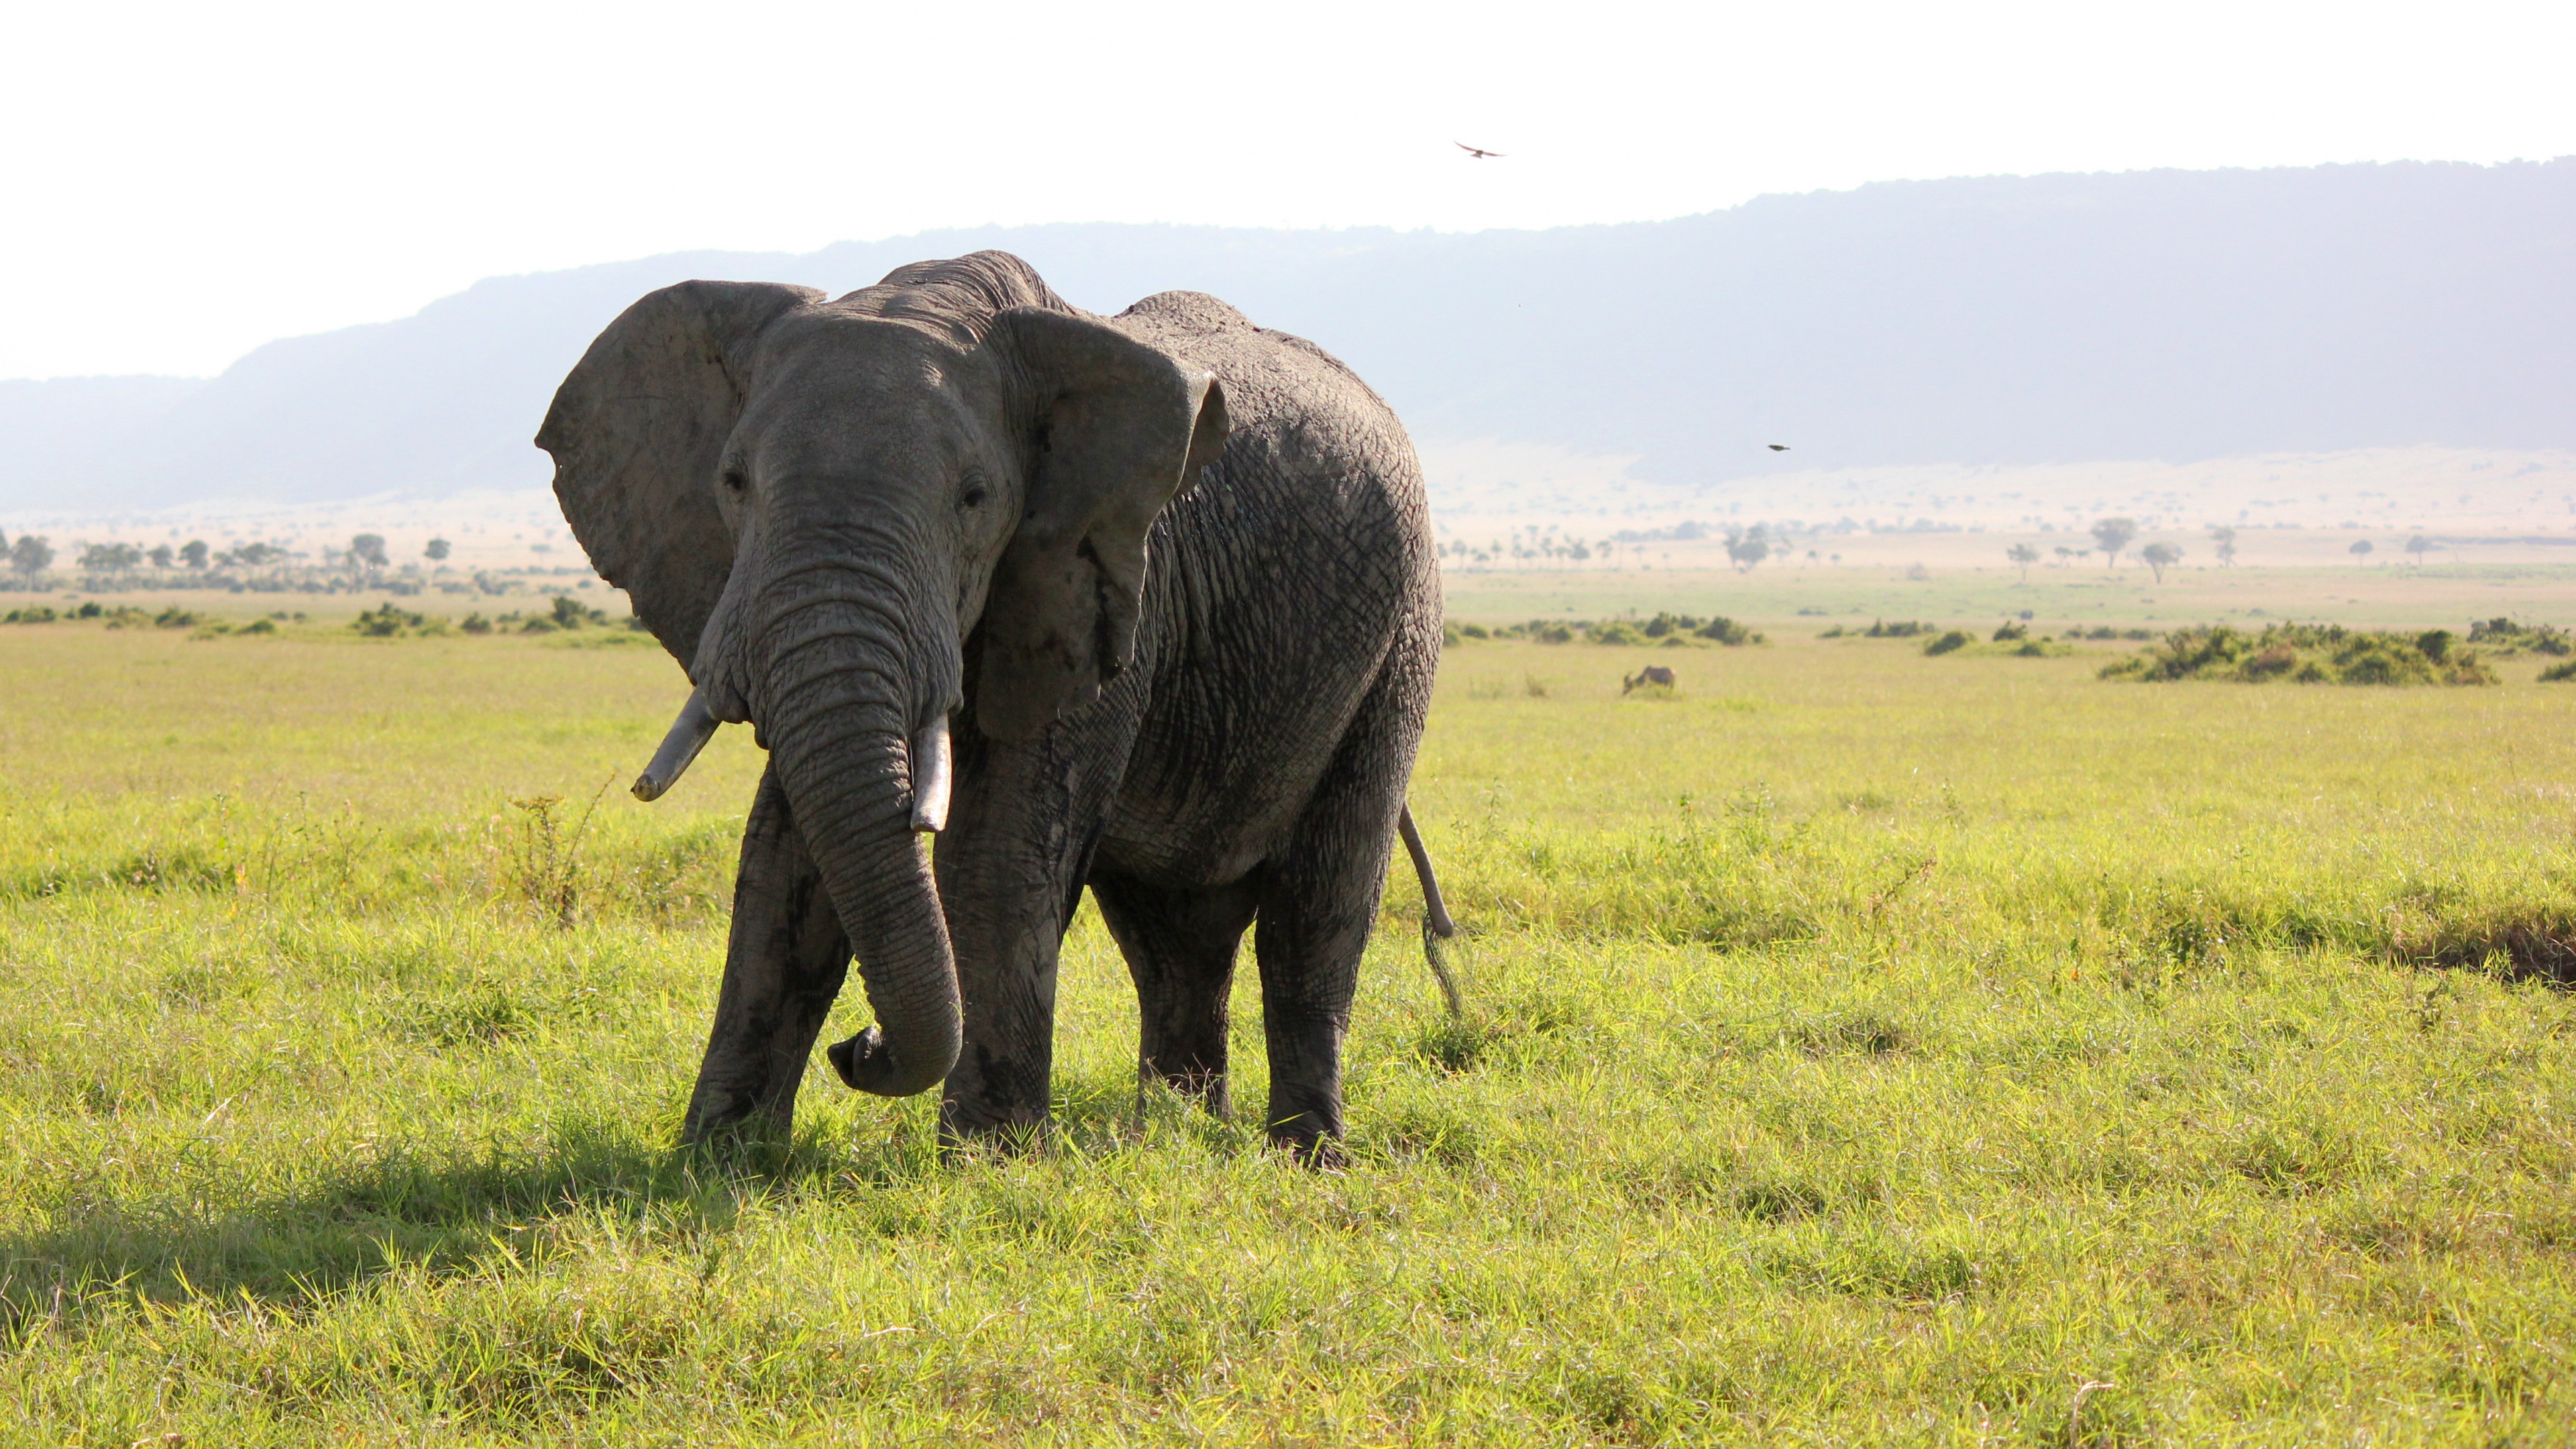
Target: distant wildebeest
(1651,674)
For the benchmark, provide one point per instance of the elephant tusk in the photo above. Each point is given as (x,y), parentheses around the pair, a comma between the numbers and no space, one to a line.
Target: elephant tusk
(689,734)
(930,778)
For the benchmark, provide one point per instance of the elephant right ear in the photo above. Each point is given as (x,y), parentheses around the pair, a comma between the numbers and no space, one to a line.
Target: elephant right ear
(637,431)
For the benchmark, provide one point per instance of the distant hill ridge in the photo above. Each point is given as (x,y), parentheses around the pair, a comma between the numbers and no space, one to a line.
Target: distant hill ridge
(2006,320)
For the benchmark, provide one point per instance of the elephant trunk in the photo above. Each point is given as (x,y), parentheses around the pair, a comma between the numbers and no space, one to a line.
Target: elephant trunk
(859,744)
(849,791)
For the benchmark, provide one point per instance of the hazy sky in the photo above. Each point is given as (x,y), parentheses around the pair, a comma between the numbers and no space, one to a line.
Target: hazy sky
(184,182)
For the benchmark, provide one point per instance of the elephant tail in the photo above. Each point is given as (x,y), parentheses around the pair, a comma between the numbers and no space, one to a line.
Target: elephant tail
(1436,925)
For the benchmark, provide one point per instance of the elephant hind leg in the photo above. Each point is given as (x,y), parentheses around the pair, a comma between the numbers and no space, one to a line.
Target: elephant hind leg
(1319,899)
(1180,947)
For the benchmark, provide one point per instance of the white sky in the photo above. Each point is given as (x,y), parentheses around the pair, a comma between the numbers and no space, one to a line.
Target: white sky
(184,182)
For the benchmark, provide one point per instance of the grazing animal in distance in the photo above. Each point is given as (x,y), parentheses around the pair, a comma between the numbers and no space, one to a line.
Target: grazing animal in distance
(1651,674)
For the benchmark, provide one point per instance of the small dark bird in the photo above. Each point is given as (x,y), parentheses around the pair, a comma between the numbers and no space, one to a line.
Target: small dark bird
(1779,447)
(1475,153)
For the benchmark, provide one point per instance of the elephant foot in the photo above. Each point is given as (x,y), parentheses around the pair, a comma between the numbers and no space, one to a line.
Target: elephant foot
(1315,1141)
(1208,1087)
(960,1141)
(1317,1153)
(740,1120)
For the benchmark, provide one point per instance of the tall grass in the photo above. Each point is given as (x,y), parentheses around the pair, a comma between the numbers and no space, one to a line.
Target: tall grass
(1860,1047)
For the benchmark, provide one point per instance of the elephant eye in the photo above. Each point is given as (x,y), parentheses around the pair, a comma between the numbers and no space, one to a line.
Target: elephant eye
(735,481)
(974,495)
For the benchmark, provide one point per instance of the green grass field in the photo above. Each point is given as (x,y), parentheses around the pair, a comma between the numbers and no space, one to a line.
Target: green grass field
(1861,1047)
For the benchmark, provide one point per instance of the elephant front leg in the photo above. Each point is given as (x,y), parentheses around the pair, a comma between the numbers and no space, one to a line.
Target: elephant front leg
(784,964)
(1025,819)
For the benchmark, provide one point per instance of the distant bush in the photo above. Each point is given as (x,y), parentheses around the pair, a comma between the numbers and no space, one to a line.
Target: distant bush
(1473,631)
(2512,636)
(475,623)
(1951,642)
(1616,633)
(2558,673)
(2006,633)
(2305,654)
(35,615)
(387,622)
(1728,632)
(572,613)
(1898,629)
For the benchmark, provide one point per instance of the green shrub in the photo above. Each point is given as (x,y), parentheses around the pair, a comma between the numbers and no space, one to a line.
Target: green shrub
(386,622)
(572,613)
(2556,673)
(2512,636)
(2305,654)
(1471,631)
(36,615)
(1616,633)
(1728,632)
(1950,643)
(1898,629)
(475,623)
(2006,633)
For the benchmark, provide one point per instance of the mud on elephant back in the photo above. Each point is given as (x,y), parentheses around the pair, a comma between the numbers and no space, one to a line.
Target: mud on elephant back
(1144,603)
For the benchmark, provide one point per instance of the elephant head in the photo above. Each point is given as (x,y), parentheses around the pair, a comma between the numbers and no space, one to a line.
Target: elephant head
(819,506)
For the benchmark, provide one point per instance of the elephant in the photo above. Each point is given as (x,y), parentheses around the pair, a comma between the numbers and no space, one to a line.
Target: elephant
(1146,603)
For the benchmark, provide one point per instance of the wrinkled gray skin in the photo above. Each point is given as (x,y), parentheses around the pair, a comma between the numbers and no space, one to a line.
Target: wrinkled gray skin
(1170,575)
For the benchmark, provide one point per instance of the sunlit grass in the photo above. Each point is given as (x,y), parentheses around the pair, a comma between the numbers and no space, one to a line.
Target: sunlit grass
(1860,1046)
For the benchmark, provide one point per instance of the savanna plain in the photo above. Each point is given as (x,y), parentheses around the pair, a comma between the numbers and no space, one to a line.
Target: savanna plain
(1858,1046)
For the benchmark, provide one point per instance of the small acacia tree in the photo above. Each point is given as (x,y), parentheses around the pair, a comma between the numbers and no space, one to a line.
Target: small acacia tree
(193,553)
(2222,541)
(437,550)
(2114,534)
(2360,550)
(1748,548)
(2159,556)
(31,554)
(2419,546)
(2024,556)
(367,553)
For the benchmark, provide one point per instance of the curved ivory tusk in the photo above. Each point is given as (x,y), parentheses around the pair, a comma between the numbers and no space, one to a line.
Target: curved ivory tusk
(930,777)
(689,734)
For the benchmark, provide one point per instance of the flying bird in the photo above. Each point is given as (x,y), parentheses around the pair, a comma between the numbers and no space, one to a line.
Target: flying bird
(1777,447)
(1477,153)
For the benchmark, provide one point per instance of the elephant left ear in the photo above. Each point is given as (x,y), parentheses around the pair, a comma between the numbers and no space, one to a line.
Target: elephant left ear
(1121,429)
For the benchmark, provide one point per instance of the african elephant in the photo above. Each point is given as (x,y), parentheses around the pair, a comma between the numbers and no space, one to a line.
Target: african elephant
(1170,574)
